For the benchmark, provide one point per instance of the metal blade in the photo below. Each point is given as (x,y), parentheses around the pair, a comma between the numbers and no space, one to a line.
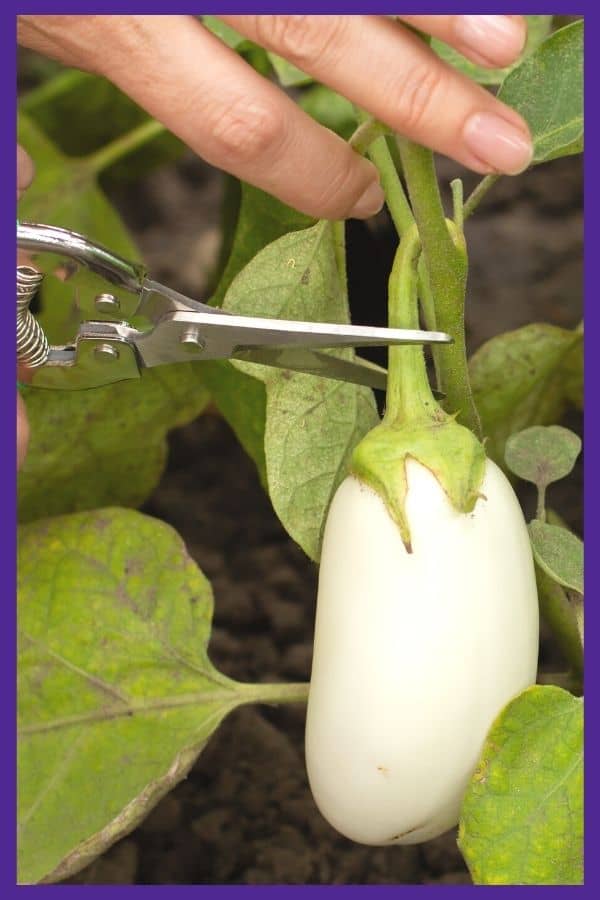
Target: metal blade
(312,362)
(180,336)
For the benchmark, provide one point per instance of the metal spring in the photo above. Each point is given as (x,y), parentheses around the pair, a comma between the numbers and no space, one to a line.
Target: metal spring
(32,344)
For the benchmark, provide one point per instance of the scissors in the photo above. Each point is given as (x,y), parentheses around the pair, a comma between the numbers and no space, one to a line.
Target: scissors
(136,323)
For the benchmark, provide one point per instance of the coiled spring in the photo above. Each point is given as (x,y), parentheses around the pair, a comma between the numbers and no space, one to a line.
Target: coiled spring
(32,344)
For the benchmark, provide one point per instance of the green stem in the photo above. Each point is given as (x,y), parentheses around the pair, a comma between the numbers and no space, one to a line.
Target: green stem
(568,681)
(49,90)
(409,395)
(109,154)
(368,131)
(576,602)
(339,247)
(447,268)
(428,308)
(458,203)
(478,193)
(561,617)
(379,154)
(541,502)
(395,197)
(273,693)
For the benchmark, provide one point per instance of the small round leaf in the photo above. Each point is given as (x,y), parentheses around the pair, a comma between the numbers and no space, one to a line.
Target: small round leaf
(559,553)
(542,454)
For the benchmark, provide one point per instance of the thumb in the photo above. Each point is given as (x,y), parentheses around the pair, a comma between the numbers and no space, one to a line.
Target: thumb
(25,171)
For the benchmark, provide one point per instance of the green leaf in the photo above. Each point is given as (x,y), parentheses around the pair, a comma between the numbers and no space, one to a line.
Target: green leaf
(312,424)
(117,696)
(547,90)
(522,378)
(572,376)
(522,816)
(240,397)
(542,454)
(104,445)
(262,219)
(538,27)
(558,610)
(559,553)
(288,74)
(242,401)
(329,109)
(81,112)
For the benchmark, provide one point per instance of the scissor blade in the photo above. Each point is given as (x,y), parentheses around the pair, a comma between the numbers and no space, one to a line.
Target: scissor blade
(250,333)
(312,362)
(219,335)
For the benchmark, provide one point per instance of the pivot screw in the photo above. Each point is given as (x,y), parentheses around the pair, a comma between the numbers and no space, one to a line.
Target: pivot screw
(191,341)
(106,353)
(107,303)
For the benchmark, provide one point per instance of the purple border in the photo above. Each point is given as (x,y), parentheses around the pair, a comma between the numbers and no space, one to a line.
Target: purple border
(7,545)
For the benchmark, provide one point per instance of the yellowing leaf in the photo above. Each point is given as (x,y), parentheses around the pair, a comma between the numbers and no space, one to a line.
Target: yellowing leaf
(117,696)
(522,816)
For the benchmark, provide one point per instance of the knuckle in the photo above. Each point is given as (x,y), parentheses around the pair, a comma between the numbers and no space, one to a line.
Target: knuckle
(415,95)
(245,131)
(302,40)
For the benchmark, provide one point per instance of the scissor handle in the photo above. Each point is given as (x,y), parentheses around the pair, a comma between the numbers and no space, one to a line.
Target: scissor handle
(113,268)
(79,364)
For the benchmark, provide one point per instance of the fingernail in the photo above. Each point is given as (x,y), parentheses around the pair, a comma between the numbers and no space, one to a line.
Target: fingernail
(498,143)
(495,39)
(369,203)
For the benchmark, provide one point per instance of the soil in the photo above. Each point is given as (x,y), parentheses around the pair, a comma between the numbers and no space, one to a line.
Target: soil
(245,814)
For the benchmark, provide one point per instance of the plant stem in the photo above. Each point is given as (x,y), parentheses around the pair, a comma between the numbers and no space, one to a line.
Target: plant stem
(339,246)
(457,203)
(109,154)
(576,603)
(428,308)
(273,693)
(368,131)
(409,395)
(569,681)
(561,616)
(478,193)
(49,90)
(379,153)
(447,268)
(541,502)
(395,197)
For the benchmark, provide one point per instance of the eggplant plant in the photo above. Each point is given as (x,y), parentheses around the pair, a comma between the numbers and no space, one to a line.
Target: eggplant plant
(426,709)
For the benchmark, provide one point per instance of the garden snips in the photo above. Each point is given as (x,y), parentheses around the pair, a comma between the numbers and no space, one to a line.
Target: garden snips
(125,322)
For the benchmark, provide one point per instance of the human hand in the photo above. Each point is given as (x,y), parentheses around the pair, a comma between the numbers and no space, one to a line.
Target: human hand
(24,179)
(239,121)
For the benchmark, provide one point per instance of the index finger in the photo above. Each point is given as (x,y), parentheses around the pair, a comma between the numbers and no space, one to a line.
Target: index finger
(384,68)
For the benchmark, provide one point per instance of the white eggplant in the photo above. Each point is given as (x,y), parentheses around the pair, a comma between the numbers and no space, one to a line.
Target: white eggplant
(415,652)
